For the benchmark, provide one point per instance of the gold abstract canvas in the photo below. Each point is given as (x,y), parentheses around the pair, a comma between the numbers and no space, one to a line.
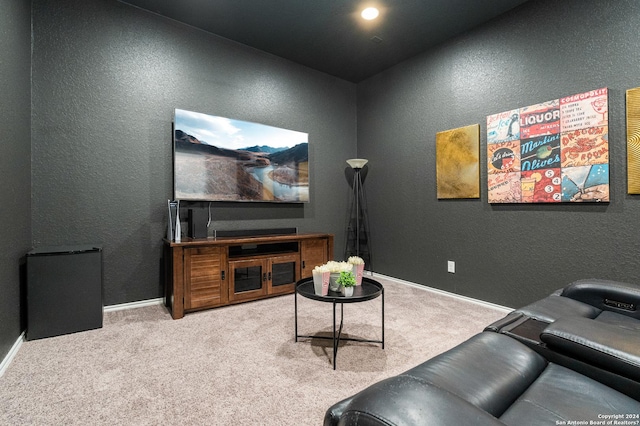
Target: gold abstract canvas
(458,162)
(633,141)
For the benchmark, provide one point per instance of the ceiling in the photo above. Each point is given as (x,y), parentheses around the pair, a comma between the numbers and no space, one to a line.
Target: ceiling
(329,35)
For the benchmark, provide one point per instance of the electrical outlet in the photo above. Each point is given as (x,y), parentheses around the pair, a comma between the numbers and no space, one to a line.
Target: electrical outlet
(451,266)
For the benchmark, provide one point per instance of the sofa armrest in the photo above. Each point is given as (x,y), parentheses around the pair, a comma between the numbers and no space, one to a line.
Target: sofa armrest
(470,384)
(503,322)
(603,345)
(554,307)
(406,400)
(332,416)
(623,298)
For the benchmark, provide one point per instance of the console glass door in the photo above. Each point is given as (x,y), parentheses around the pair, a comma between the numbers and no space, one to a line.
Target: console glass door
(284,273)
(248,279)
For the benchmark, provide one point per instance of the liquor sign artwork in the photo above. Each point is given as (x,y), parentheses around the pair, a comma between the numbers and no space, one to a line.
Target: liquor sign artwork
(552,152)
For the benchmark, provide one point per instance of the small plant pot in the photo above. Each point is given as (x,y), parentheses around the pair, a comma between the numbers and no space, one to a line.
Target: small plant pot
(347,291)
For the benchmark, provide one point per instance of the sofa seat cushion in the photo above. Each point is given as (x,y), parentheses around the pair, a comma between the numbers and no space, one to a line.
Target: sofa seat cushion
(560,394)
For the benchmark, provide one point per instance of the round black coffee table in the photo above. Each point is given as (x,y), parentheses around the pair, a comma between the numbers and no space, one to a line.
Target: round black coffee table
(368,290)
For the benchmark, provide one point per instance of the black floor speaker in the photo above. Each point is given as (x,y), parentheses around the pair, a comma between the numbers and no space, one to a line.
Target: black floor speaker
(64,290)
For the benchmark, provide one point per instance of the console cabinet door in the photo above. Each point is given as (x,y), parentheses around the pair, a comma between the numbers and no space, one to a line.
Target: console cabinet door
(203,270)
(313,253)
(283,273)
(247,279)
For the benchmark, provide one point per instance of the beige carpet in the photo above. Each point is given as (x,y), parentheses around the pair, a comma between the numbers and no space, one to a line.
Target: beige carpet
(237,365)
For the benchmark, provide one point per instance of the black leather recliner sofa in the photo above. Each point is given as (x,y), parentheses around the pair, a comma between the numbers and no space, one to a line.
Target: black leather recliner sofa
(571,358)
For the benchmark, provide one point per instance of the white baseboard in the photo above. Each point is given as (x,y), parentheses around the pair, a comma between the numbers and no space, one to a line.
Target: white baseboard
(133,305)
(12,353)
(446,293)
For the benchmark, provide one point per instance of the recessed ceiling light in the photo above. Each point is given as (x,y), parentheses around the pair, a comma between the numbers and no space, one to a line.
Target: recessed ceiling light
(370,13)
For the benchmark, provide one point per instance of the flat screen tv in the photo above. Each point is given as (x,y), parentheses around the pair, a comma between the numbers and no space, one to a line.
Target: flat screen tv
(222,159)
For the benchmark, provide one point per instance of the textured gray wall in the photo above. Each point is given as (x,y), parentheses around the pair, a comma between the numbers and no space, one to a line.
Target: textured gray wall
(15,186)
(507,254)
(106,79)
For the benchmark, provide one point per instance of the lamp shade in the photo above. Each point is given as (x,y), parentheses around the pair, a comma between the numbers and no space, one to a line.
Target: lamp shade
(357,163)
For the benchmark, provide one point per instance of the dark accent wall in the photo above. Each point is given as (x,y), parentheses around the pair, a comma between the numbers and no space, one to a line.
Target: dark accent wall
(15,149)
(106,79)
(506,254)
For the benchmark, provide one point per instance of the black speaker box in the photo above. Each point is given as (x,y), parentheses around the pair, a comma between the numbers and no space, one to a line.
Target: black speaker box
(198,219)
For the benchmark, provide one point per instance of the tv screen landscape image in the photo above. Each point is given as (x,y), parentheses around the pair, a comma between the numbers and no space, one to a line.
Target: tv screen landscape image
(222,159)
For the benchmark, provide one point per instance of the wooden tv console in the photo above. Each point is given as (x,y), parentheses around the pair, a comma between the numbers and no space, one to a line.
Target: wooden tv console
(212,272)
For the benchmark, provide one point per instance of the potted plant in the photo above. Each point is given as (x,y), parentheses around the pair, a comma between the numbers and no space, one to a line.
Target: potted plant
(347,282)
(335,268)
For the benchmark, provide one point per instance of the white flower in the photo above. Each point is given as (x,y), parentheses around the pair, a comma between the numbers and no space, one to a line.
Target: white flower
(355,260)
(321,269)
(334,266)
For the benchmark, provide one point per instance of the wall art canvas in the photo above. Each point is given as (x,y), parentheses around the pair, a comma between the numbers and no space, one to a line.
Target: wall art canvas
(552,152)
(458,162)
(633,141)
(222,159)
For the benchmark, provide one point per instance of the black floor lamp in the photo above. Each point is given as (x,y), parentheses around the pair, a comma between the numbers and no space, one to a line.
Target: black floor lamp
(358,238)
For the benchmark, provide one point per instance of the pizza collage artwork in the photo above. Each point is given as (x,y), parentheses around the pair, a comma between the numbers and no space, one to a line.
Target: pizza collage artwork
(552,152)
